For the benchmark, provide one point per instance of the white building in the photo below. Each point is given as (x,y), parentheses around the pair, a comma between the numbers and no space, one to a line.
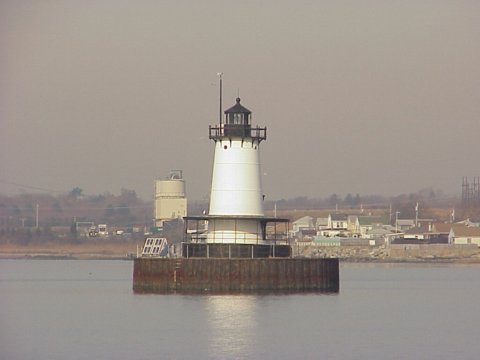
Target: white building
(464,235)
(338,221)
(303,223)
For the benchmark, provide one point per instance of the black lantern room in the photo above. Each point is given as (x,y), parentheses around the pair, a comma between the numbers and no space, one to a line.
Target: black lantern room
(238,115)
(237,123)
(237,120)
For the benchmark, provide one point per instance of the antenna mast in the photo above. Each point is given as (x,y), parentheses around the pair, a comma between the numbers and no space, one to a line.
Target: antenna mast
(220,74)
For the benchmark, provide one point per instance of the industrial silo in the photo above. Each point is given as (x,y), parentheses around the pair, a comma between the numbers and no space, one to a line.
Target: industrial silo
(170,198)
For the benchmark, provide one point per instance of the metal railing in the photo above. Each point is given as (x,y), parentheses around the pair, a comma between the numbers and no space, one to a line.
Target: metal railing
(227,237)
(242,131)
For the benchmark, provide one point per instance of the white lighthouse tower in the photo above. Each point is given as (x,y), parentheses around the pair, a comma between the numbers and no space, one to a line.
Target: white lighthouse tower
(236,182)
(236,198)
(236,222)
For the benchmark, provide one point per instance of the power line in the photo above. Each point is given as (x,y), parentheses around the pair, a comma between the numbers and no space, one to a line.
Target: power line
(30,187)
(71,208)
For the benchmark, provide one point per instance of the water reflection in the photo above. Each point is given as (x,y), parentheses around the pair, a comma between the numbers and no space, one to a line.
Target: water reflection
(232,325)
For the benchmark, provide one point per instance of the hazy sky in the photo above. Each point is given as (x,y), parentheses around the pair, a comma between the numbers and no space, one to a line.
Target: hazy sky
(369,97)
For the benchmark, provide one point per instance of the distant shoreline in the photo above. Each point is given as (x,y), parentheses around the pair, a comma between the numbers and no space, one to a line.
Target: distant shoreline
(4,256)
(100,257)
(128,250)
(85,251)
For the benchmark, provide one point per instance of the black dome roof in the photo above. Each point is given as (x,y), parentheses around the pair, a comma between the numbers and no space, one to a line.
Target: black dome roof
(238,108)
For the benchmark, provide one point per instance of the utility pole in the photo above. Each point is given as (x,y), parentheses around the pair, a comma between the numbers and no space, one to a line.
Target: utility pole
(390,214)
(396,221)
(416,215)
(36,216)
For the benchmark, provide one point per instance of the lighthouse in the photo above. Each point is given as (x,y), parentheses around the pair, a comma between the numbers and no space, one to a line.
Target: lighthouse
(236,198)
(236,246)
(236,224)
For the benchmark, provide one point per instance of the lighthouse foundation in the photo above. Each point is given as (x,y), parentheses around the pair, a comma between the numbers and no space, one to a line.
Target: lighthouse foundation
(223,275)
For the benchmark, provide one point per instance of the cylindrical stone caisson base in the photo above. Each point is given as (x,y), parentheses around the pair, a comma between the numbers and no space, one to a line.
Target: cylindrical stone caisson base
(220,275)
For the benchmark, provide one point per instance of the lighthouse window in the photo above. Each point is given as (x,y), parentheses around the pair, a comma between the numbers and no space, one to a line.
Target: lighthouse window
(235,119)
(238,119)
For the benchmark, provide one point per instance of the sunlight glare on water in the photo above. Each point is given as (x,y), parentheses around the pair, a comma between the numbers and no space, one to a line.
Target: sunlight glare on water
(231,324)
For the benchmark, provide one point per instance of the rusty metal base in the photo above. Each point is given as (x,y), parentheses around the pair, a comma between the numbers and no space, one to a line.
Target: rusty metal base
(220,275)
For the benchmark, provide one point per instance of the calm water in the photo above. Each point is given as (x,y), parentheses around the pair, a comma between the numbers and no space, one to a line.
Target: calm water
(86,310)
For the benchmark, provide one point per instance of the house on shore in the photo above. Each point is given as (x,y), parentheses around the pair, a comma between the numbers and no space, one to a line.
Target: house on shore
(302,224)
(462,235)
